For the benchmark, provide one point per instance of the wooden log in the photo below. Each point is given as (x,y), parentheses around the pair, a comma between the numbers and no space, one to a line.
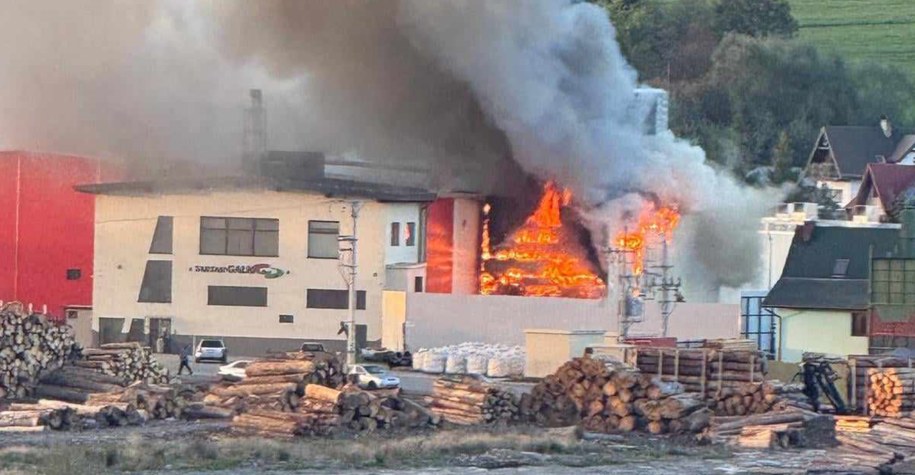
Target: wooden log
(278,367)
(254,389)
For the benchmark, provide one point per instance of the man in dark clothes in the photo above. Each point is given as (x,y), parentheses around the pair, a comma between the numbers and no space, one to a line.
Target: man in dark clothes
(185,360)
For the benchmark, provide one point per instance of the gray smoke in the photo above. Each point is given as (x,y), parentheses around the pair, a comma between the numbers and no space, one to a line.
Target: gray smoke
(466,87)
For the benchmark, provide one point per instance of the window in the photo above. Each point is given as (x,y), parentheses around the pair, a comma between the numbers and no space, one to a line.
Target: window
(859,324)
(239,236)
(418,284)
(410,234)
(157,283)
(333,299)
(287,319)
(237,296)
(71,314)
(893,282)
(840,268)
(322,239)
(395,234)
(74,274)
(162,236)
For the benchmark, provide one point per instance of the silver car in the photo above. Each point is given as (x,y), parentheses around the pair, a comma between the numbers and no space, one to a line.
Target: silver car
(371,376)
(211,350)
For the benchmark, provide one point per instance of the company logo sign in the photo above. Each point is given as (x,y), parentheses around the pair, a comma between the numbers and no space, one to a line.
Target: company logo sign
(266,270)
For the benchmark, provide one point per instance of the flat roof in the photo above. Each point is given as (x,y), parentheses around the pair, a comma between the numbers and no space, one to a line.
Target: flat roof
(328,187)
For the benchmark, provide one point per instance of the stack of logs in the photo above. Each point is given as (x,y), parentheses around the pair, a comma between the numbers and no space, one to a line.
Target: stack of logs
(128,361)
(29,346)
(46,414)
(747,398)
(466,400)
(328,369)
(277,399)
(859,380)
(605,399)
(783,429)
(84,386)
(892,391)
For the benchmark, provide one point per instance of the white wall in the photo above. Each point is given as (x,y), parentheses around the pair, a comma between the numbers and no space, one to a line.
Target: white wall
(442,319)
(402,213)
(124,228)
(820,331)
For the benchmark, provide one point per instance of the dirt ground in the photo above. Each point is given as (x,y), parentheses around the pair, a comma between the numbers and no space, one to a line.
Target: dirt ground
(194,447)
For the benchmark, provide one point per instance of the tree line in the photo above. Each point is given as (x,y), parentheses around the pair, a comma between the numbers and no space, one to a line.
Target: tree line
(744,88)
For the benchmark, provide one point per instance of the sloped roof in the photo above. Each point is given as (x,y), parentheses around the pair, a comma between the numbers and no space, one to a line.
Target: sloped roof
(886,180)
(905,145)
(808,282)
(854,147)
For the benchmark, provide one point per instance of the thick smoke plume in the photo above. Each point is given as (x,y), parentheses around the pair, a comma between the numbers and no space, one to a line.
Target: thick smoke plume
(464,87)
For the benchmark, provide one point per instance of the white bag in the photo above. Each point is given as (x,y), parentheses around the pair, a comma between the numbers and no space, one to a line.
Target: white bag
(498,367)
(476,364)
(418,359)
(434,363)
(456,364)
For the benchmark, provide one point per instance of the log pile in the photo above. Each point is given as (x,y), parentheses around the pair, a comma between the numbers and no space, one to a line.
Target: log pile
(892,391)
(328,369)
(859,380)
(29,347)
(128,361)
(702,370)
(84,386)
(274,384)
(607,399)
(59,415)
(748,398)
(783,429)
(466,400)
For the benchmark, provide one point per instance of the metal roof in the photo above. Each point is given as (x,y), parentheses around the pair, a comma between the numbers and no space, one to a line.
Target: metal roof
(329,187)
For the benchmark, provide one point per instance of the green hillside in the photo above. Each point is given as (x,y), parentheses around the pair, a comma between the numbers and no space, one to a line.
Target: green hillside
(878,30)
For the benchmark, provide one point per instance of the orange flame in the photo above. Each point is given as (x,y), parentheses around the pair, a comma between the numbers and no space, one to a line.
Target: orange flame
(652,224)
(540,258)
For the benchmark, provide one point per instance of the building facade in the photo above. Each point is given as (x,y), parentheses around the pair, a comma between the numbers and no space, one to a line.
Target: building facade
(46,231)
(253,261)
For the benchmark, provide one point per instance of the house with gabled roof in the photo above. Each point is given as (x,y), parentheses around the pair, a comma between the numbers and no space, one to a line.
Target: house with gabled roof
(842,153)
(882,185)
(822,298)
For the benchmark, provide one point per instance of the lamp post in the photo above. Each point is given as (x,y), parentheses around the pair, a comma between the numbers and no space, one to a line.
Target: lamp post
(347,266)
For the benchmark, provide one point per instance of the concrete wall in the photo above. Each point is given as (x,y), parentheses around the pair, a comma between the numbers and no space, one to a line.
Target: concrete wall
(125,225)
(437,319)
(818,331)
(403,214)
(466,246)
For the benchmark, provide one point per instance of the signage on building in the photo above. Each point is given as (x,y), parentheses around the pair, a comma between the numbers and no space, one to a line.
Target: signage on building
(266,270)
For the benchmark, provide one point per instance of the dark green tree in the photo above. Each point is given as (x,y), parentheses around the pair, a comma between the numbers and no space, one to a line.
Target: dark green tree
(759,18)
(782,159)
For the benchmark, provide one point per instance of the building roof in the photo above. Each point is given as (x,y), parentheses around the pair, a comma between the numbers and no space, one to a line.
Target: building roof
(329,187)
(828,267)
(852,148)
(886,181)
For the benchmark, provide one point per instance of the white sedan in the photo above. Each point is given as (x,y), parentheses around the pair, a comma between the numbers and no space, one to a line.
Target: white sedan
(371,376)
(235,368)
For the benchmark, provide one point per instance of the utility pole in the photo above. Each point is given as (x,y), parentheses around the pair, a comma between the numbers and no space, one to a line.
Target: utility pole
(624,287)
(348,272)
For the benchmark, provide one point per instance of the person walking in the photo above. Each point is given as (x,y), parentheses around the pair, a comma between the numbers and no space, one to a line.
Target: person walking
(185,360)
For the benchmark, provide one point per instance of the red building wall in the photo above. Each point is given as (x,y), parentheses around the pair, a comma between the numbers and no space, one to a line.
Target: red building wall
(46,228)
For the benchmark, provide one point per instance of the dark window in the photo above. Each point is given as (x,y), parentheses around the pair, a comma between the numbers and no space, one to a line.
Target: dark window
(74,274)
(287,319)
(237,296)
(322,239)
(418,284)
(840,268)
(410,234)
(211,344)
(162,236)
(395,234)
(157,282)
(422,231)
(71,314)
(239,236)
(334,299)
(859,324)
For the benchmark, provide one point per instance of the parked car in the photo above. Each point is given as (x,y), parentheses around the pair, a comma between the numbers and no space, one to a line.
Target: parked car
(370,376)
(311,347)
(235,369)
(211,350)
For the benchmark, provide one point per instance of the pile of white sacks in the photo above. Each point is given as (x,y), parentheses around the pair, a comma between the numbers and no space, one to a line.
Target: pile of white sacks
(493,360)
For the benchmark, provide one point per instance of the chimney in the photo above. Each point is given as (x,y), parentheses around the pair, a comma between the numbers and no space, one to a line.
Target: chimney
(886,126)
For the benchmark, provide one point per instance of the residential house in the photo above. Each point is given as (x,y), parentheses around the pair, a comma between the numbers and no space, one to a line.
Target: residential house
(883,183)
(822,299)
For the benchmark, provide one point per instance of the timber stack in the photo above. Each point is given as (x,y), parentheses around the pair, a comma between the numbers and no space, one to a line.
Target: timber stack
(859,379)
(45,414)
(85,386)
(29,347)
(275,384)
(328,369)
(782,429)
(128,361)
(892,391)
(748,398)
(605,399)
(708,371)
(467,400)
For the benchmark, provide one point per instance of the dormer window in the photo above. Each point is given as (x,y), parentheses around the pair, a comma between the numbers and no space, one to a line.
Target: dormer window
(840,268)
